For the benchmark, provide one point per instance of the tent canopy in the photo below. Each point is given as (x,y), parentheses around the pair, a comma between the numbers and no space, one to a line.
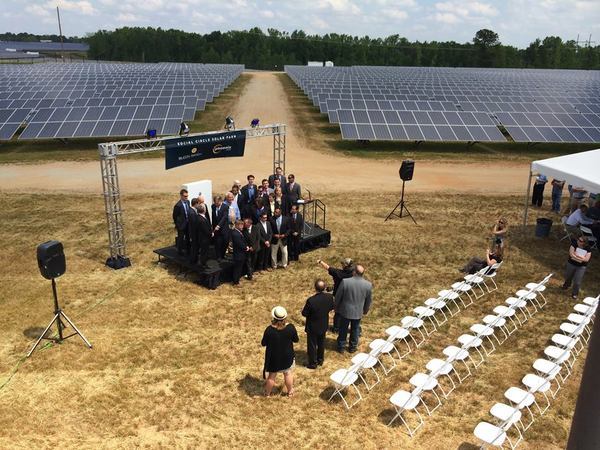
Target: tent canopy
(579,169)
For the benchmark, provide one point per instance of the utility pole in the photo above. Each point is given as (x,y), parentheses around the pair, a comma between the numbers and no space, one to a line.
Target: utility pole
(62,47)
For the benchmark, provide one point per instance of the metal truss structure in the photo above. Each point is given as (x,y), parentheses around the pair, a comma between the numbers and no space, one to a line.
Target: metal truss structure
(110,178)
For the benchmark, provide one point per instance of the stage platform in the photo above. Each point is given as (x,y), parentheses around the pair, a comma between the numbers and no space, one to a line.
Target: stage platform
(217,272)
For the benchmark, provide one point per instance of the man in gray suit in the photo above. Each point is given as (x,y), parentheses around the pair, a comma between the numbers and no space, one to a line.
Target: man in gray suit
(352,301)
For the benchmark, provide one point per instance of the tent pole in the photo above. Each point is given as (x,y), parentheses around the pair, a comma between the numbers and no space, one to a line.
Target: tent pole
(527,197)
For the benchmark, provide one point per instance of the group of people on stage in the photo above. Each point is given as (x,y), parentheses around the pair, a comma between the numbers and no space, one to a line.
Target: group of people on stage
(261,225)
(351,301)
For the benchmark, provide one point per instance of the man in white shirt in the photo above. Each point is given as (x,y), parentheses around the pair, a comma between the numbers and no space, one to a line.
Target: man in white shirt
(578,217)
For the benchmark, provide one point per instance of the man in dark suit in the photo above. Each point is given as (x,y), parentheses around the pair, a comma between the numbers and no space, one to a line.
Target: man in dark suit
(181,212)
(265,191)
(352,302)
(265,235)
(203,234)
(277,175)
(293,191)
(257,209)
(193,224)
(249,193)
(240,250)
(281,230)
(202,201)
(296,226)
(316,310)
(252,235)
(220,213)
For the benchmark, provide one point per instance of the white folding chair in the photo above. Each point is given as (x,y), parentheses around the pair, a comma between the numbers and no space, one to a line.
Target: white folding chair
(579,319)
(399,334)
(426,384)
(342,379)
(566,342)
(413,323)
(549,371)
(507,313)
(484,331)
(383,348)
(490,274)
(496,322)
(529,296)
(521,399)
(563,221)
(423,313)
(442,368)
(462,287)
(437,304)
(491,435)
(507,416)
(468,342)
(455,353)
(365,361)
(448,295)
(406,401)
(519,305)
(535,384)
(476,280)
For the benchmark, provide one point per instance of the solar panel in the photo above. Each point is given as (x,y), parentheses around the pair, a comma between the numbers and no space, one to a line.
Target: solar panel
(105,99)
(456,104)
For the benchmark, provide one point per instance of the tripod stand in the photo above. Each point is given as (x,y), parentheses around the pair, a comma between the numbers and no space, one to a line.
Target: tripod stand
(58,316)
(402,207)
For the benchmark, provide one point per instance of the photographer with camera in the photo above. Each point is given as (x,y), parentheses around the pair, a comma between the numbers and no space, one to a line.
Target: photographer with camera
(338,275)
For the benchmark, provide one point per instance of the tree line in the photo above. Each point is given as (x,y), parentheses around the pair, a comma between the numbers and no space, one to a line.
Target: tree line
(273,49)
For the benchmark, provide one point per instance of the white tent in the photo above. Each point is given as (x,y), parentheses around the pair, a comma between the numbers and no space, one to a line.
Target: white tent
(579,169)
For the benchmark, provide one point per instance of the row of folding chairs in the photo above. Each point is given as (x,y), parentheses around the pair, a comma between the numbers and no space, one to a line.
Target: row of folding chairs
(473,351)
(412,329)
(550,374)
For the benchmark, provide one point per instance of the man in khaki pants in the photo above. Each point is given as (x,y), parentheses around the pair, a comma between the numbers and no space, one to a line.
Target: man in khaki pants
(281,231)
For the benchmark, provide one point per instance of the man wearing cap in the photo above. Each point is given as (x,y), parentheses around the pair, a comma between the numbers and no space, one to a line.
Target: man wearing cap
(338,275)
(316,310)
(352,301)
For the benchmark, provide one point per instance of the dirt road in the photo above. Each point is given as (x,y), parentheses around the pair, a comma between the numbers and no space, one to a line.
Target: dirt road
(314,168)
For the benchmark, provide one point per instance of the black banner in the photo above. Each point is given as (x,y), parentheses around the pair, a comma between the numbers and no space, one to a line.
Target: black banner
(189,149)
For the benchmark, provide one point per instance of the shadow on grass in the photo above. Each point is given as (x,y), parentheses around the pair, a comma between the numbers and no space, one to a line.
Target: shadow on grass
(35,332)
(252,385)
(386,415)
(467,446)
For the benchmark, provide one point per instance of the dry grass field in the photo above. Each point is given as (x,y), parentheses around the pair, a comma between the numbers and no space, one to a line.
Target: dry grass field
(178,366)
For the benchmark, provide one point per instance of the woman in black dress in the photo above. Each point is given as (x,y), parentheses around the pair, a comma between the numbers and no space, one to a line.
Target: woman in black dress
(279,338)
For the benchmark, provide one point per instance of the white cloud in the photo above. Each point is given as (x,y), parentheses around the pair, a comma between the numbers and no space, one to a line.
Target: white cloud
(518,22)
(345,6)
(267,14)
(396,14)
(37,10)
(446,17)
(82,6)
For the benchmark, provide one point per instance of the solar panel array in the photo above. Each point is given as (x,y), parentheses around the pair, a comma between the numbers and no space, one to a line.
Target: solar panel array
(105,99)
(455,104)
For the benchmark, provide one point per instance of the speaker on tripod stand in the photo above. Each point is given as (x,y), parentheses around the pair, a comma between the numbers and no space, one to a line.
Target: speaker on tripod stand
(406,173)
(52,264)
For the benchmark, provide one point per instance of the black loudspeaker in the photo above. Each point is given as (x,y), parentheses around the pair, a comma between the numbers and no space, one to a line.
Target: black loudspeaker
(406,170)
(51,259)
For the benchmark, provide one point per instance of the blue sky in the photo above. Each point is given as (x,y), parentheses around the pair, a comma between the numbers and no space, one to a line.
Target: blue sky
(518,22)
